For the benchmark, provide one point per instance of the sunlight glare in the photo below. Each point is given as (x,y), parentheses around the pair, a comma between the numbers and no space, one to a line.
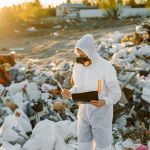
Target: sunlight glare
(4,3)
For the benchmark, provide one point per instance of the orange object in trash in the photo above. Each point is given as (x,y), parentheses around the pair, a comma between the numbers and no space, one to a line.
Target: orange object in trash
(5,78)
(10,59)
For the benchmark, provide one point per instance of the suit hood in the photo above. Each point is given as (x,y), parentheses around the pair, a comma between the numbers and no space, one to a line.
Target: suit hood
(87,45)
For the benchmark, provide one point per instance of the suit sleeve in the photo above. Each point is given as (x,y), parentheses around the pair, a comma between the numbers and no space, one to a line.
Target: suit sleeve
(73,89)
(113,87)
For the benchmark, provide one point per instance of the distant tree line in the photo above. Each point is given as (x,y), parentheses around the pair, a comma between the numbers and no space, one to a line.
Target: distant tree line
(26,11)
(113,3)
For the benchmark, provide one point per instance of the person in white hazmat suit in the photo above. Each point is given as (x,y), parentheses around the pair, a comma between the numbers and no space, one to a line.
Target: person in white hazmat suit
(94,119)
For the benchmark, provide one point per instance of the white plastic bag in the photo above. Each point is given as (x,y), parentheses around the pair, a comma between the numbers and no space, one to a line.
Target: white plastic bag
(8,146)
(63,129)
(33,92)
(24,120)
(16,87)
(18,99)
(12,131)
(15,127)
(43,137)
(144,51)
(73,129)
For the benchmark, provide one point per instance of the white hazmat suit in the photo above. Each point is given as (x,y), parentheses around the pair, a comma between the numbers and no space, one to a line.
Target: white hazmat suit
(93,122)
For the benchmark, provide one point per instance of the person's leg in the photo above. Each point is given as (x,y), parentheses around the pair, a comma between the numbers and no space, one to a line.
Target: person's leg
(101,121)
(85,136)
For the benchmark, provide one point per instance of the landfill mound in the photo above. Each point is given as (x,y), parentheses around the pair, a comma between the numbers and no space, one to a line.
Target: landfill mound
(33,114)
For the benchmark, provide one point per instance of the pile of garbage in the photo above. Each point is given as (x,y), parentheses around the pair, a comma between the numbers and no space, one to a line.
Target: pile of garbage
(33,114)
(31,108)
(142,34)
(130,55)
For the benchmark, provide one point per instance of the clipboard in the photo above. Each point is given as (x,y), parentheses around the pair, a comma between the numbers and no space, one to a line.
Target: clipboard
(85,97)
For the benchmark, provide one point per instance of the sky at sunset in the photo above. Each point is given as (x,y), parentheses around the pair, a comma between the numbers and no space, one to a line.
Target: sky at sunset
(44,2)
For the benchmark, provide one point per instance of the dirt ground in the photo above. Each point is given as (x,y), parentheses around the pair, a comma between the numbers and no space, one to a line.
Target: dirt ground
(43,47)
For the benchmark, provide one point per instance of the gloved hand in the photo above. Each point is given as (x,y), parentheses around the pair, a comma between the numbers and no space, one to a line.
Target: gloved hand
(66,94)
(99,103)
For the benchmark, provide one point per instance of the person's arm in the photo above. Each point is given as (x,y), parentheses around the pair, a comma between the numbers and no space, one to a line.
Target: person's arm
(67,93)
(73,89)
(112,84)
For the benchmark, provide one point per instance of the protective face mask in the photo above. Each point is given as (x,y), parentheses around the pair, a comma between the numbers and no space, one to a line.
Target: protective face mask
(85,61)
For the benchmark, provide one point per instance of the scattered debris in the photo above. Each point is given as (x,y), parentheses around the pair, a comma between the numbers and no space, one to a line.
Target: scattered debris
(56,34)
(130,56)
(57,27)
(33,104)
(16,49)
(32,29)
